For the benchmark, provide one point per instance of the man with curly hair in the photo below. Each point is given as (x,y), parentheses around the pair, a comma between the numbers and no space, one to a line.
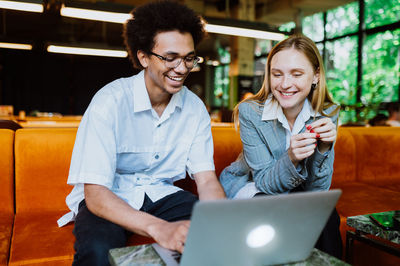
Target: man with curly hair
(138,136)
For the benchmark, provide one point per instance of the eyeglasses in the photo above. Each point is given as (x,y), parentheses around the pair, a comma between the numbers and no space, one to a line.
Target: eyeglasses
(172,61)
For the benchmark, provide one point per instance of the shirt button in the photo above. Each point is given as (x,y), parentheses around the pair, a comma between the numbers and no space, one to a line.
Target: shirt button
(157,156)
(159,125)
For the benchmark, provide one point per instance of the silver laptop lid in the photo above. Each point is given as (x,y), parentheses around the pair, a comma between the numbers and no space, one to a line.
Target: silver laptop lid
(259,231)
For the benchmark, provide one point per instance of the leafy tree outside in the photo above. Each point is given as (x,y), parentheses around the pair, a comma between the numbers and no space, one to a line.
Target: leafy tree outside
(381,12)
(380,56)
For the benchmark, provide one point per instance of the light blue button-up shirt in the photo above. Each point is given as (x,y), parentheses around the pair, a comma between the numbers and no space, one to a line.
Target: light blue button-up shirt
(124,145)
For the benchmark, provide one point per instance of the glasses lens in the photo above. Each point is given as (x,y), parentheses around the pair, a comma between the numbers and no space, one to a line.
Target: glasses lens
(190,62)
(173,62)
(195,61)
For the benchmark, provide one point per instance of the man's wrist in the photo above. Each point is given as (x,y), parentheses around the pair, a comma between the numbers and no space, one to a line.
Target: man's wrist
(153,228)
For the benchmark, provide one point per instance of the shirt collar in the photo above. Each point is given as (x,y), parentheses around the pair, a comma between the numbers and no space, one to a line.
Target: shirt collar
(272,111)
(141,99)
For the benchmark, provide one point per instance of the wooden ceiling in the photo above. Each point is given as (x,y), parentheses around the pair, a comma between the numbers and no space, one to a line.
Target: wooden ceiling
(49,27)
(273,12)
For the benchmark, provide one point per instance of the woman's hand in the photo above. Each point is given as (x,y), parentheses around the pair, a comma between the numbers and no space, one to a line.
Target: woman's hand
(302,146)
(326,133)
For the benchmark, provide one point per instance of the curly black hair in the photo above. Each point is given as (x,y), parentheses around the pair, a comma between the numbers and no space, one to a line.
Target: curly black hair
(150,19)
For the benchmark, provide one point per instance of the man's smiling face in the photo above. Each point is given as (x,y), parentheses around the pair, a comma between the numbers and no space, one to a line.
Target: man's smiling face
(158,76)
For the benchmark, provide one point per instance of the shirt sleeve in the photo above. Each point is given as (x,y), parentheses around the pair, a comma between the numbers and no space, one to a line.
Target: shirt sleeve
(94,156)
(200,157)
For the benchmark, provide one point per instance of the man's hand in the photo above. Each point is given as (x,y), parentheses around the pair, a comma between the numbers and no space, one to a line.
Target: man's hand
(171,235)
(301,146)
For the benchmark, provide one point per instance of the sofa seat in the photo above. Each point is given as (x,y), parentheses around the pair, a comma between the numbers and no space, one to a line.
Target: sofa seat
(6,226)
(391,186)
(37,240)
(358,198)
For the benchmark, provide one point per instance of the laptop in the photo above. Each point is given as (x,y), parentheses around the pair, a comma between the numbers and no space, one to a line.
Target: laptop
(258,231)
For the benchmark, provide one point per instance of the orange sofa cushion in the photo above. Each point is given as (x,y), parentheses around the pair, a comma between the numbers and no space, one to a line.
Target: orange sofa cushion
(42,158)
(6,192)
(227,146)
(37,240)
(7,171)
(344,166)
(378,154)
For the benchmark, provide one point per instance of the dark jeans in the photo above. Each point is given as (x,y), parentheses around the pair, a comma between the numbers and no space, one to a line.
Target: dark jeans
(95,236)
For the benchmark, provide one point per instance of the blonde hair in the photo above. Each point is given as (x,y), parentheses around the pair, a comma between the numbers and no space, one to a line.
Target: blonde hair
(319,96)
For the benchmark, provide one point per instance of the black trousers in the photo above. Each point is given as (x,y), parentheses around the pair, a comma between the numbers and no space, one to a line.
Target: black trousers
(330,240)
(95,236)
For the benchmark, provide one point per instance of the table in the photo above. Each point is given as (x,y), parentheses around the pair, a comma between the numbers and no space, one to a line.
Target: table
(146,255)
(365,228)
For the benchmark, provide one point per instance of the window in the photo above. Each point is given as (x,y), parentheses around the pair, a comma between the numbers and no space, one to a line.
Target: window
(221,79)
(342,20)
(221,86)
(287,26)
(381,67)
(341,74)
(381,12)
(313,27)
(360,95)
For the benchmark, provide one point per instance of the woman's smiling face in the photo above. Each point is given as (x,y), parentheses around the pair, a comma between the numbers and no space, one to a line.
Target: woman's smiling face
(291,77)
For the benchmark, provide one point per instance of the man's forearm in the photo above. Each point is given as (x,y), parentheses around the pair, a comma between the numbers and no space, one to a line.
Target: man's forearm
(104,203)
(208,186)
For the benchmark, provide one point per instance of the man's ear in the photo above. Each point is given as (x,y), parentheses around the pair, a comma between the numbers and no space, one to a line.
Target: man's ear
(143,58)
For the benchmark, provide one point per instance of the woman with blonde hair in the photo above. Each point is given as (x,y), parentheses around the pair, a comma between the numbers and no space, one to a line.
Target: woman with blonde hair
(288,128)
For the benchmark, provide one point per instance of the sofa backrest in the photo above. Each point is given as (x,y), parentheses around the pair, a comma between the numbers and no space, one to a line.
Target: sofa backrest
(7,171)
(227,146)
(42,158)
(344,166)
(378,154)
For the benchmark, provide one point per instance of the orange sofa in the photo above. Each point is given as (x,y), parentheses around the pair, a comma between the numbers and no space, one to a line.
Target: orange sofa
(369,180)
(367,169)
(42,158)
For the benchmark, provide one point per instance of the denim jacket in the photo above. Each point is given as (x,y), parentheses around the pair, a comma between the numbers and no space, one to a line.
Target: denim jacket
(265,160)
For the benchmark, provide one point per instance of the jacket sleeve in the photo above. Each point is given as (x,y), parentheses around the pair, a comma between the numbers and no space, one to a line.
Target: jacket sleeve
(321,168)
(271,175)
(234,177)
